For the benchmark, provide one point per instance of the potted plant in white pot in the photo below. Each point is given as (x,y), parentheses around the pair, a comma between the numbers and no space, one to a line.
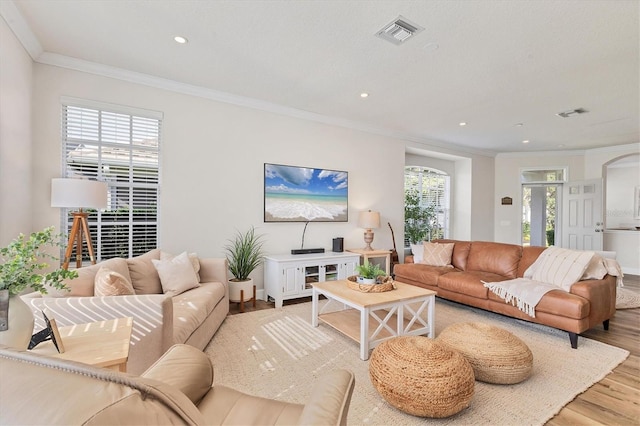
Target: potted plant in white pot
(368,273)
(23,267)
(244,254)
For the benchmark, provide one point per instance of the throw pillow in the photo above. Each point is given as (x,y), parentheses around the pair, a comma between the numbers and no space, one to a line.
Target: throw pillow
(437,254)
(144,277)
(560,266)
(176,274)
(111,283)
(193,258)
(417,250)
(596,269)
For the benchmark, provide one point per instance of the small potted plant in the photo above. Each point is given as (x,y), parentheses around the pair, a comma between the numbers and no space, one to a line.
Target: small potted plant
(244,254)
(368,273)
(23,267)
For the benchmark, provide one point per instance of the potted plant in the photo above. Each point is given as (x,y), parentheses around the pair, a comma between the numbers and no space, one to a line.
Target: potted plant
(22,267)
(369,272)
(420,221)
(244,254)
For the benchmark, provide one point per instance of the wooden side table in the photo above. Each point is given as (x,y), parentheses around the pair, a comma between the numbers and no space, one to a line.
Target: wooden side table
(369,254)
(101,343)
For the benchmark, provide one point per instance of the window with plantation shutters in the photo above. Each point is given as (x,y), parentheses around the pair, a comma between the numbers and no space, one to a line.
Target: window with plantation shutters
(120,146)
(432,188)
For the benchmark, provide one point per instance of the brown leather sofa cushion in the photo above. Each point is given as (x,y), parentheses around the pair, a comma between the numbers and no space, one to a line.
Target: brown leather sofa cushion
(497,258)
(469,282)
(529,255)
(460,253)
(424,273)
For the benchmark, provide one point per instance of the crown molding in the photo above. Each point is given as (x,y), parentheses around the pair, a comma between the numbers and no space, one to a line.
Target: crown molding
(81,65)
(616,148)
(567,153)
(21,29)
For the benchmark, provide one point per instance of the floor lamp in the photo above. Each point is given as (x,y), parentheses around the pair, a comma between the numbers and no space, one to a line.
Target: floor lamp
(78,193)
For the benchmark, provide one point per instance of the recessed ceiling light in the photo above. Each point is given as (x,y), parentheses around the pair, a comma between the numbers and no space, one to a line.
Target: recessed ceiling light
(463,123)
(180,39)
(364,95)
(526,141)
(519,124)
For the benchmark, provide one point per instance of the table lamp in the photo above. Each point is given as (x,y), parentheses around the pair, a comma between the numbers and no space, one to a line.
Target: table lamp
(368,220)
(78,193)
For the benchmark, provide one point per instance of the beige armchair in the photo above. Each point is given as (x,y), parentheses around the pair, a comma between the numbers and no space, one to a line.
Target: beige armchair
(177,389)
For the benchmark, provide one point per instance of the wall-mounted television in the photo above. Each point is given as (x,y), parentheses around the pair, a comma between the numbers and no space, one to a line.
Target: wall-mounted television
(304,194)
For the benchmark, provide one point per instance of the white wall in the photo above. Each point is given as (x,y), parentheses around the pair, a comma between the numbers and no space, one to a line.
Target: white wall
(472,184)
(507,219)
(16,73)
(581,166)
(212,157)
(620,193)
(626,244)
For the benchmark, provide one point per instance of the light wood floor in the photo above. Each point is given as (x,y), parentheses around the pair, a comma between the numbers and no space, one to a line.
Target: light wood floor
(615,400)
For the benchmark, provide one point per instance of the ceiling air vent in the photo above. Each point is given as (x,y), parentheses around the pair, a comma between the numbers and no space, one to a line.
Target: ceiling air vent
(399,30)
(571,113)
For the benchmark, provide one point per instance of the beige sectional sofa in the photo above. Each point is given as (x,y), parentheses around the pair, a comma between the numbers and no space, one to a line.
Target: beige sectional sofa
(159,320)
(590,302)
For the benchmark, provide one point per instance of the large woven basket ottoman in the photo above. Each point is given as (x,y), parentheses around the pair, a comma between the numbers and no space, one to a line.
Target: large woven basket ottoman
(421,377)
(496,355)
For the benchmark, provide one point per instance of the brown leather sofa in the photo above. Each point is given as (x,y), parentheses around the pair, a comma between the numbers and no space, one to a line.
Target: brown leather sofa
(589,303)
(177,389)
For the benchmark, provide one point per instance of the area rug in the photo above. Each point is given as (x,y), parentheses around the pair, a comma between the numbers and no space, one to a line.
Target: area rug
(627,299)
(276,353)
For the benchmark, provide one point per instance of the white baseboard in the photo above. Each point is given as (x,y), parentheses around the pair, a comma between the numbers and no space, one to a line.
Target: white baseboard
(630,271)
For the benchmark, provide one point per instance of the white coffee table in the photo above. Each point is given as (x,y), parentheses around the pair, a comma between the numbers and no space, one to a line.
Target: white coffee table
(407,310)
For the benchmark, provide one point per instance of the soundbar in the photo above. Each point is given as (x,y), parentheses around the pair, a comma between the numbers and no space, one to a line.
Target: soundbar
(307,251)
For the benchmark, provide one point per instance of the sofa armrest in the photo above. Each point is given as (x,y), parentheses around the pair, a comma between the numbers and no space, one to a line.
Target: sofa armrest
(214,269)
(152,314)
(329,400)
(185,368)
(601,295)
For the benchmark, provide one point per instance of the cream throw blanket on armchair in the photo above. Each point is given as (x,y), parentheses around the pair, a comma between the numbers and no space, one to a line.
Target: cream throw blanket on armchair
(555,269)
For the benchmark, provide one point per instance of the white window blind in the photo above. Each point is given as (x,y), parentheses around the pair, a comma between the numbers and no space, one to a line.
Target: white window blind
(121,148)
(432,186)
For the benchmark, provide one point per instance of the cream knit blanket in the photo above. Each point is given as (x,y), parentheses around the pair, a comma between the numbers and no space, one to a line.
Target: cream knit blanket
(525,293)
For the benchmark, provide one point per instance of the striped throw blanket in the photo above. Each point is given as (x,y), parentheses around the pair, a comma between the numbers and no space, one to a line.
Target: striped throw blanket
(555,269)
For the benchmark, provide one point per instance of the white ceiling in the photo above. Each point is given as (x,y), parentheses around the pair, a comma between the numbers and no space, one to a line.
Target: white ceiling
(489,63)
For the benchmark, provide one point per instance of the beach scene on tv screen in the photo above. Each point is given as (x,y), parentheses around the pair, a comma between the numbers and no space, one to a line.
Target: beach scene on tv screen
(301,194)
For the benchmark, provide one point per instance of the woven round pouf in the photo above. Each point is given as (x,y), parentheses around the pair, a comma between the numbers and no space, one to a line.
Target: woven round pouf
(496,355)
(421,377)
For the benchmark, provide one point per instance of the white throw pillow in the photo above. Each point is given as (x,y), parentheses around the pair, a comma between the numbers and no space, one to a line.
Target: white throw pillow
(110,283)
(560,266)
(193,258)
(437,254)
(176,274)
(417,250)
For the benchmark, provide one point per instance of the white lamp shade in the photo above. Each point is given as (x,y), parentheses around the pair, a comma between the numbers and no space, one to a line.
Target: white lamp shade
(369,220)
(78,193)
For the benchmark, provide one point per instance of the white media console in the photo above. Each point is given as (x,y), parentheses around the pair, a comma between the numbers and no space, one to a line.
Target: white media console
(288,276)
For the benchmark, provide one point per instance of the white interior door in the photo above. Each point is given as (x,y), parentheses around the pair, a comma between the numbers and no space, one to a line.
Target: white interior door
(582,215)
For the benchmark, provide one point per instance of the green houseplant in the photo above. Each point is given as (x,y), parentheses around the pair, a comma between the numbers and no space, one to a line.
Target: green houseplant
(23,267)
(369,272)
(419,221)
(244,254)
